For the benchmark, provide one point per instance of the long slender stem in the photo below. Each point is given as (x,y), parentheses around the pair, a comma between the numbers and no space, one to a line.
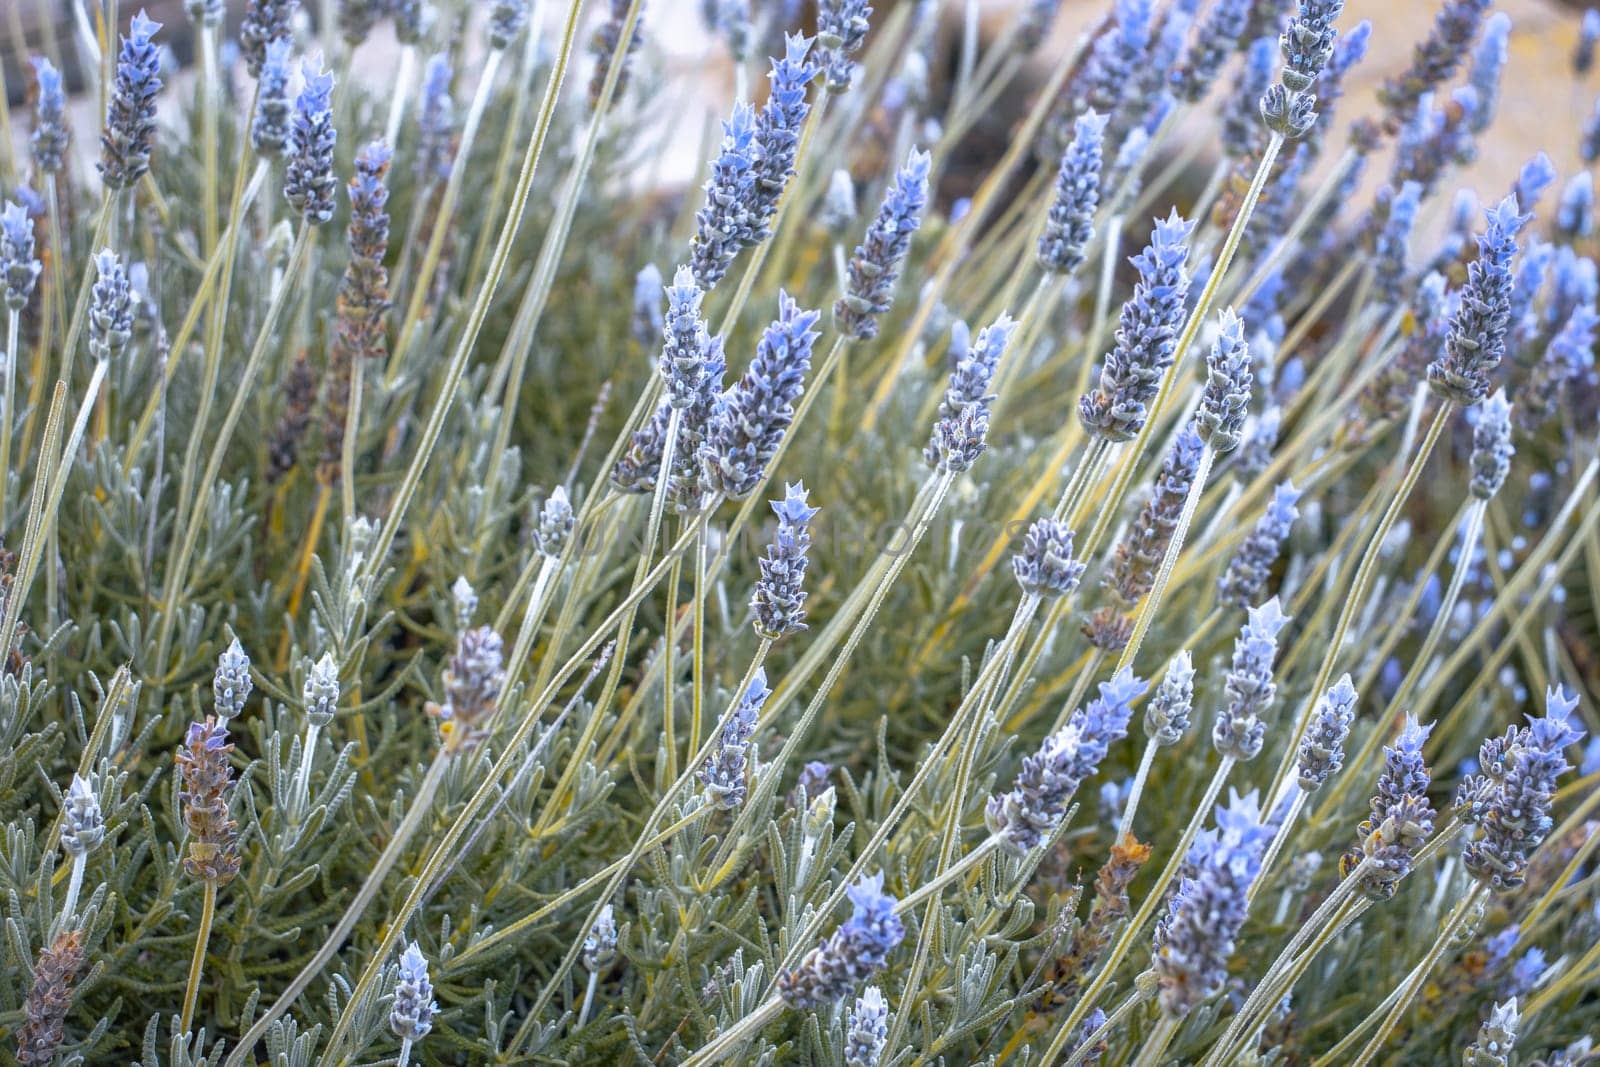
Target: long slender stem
(202,937)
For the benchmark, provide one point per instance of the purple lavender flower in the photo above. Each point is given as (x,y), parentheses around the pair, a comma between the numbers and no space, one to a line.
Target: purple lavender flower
(684,362)
(1216,39)
(264,21)
(1246,577)
(1393,240)
(411,1012)
(842,27)
(648,296)
(1401,817)
(1241,115)
(854,952)
(603,47)
(110,308)
(778,126)
(867,1029)
(308,179)
(506,19)
(1195,938)
(1509,801)
(1575,216)
(1147,334)
(1565,359)
(471,681)
(1034,22)
(356,19)
(1588,35)
(1574,283)
(1045,567)
(1321,751)
(412,20)
(958,442)
(51,136)
(19,269)
(969,380)
(748,422)
(724,772)
(1166,717)
(1219,420)
(1435,59)
(1070,224)
(1348,51)
(1028,814)
(1307,43)
(1115,64)
(733,216)
(435,121)
(269,128)
(1477,338)
(230,683)
(1491,446)
(1239,731)
(779,599)
(130,128)
(1534,177)
(1488,64)
(875,267)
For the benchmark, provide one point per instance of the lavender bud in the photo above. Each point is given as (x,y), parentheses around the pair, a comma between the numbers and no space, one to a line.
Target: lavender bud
(1565,358)
(130,127)
(1575,216)
(1491,446)
(413,19)
(839,205)
(1070,224)
(269,129)
(19,270)
(1477,339)
(436,118)
(683,362)
(1241,109)
(1533,178)
(648,296)
(308,180)
(1239,731)
(749,420)
(732,218)
(411,1013)
(1111,77)
(724,772)
(1029,813)
(1045,567)
(356,19)
(778,126)
(207,779)
(1401,819)
(506,19)
(1147,334)
(1488,64)
(1166,717)
(1246,577)
(1260,439)
(841,29)
(969,381)
(1226,398)
(231,684)
(1498,1034)
(875,267)
(866,1029)
(556,521)
(958,442)
(1195,938)
(1435,59)
(471,681)
(1588,35)
(780,597)
(813,781)
(51,137)
(321,691)
(1288,108)
(604,48)
(464,599)
(110,308)
(82,826)
(1392,241)
(854,952)
(600,946)
(1216,40)
(264,21)
(1322,749)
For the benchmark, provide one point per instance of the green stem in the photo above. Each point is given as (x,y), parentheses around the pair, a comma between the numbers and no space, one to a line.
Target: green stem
(202,937)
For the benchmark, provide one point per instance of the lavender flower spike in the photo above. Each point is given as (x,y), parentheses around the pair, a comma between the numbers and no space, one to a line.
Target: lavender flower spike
(308,179)
(724,772)
(1195,938)
(1488,64)
(130,128)
(411,1014)
(51,137)
(969,381)
(1322,749)
(841,29)
(1147,334)
(1498,1034)
(778,126)
(855,951)
(19,269)
(1393,240)
(1401,817)
(110,308)
(1477,339)
(264,21)
(1491,447)
(1575,216)
(1246,577)
(868,1029)
(1435,59)
(732,217)
(1226,397)
(82,825)
(1288,108)
(1030,811)
(875,267)
(1166,717)
(506,19)
(779,599)
(1239,731)
(749,421)
(1214,42)
(231,684)
(1070,225)
(269,129)
(1045,567)
(603,47)
(683,362)
(435,121)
